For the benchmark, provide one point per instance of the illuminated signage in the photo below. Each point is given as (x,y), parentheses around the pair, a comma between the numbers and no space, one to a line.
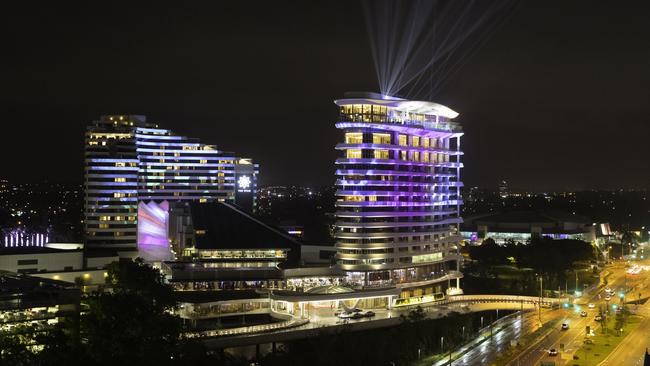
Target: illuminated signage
(244,184)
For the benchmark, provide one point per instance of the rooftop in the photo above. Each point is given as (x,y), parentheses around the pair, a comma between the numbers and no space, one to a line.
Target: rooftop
(404,105)
(224,226)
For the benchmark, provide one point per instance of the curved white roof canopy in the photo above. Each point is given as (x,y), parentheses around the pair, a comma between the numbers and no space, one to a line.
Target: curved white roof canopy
(412,106)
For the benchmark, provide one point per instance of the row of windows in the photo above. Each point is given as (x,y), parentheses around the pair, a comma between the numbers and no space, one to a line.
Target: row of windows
(385,138)
(415,156)
(117,218)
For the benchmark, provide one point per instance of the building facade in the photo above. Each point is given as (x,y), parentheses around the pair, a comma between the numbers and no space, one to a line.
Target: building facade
(129,161)
(398,193)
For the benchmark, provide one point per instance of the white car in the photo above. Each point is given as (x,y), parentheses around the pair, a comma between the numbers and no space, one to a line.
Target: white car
(591,306)
(608,298)
(552,352)
(565,326)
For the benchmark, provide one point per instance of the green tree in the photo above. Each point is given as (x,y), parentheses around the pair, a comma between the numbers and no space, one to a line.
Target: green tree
(132,324)
(14,351)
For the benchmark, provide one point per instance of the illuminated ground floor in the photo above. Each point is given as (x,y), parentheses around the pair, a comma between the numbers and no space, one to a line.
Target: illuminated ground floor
(329,300)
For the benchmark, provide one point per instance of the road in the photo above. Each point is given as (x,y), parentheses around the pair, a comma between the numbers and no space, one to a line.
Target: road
(512,330)
(568,341)
(632,349)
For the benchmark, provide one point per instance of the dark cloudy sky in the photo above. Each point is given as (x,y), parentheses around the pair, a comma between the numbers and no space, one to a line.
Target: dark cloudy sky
(558,98)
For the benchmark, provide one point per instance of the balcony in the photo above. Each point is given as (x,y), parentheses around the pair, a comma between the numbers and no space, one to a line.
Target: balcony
(395,118)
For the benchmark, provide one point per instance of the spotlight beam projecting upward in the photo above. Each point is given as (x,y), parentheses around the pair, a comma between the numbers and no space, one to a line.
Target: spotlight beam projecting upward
(419,44)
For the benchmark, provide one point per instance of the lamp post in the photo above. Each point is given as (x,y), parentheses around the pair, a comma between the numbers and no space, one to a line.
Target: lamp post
(541,296)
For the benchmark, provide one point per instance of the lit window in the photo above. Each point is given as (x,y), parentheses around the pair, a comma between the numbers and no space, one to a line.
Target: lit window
(415,141)
(425,141)
(353,154)
(402,155)
(380,138)
(203,161)
(381,154)
(353,198)
(402,140)
(120,179)
(353,138)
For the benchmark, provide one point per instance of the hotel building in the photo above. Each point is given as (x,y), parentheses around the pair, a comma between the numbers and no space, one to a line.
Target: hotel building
(398,194)
(135,172)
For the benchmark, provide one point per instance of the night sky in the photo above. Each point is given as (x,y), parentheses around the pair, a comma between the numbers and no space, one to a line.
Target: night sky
(557,99)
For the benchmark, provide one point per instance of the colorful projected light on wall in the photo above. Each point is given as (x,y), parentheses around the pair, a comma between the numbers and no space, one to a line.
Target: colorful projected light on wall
(153,241)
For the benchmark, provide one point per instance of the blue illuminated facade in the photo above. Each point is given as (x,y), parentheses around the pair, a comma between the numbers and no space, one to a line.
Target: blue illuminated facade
(128,161)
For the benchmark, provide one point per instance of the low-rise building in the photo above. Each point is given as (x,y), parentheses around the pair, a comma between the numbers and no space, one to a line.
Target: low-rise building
(522,226)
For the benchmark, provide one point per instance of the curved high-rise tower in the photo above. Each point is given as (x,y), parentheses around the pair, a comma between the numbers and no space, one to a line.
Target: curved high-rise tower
(398,194)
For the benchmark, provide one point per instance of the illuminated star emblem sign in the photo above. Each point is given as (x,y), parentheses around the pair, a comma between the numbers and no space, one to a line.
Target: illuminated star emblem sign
(244,182)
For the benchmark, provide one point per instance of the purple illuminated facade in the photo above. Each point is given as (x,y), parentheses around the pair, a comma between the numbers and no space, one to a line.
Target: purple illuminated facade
(398,194)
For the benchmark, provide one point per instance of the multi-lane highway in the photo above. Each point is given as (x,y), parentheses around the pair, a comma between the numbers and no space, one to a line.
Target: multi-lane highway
(509,330)
(633,347)
(567,341)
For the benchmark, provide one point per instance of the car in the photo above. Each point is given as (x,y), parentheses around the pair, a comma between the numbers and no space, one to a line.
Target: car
(552,352)
(565,326)
(608,291)
(608,298)
(583,313)
(589,341)
(619,309)
(598,318)
(591,306)
(346,315)
(368,314)
(357,316)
